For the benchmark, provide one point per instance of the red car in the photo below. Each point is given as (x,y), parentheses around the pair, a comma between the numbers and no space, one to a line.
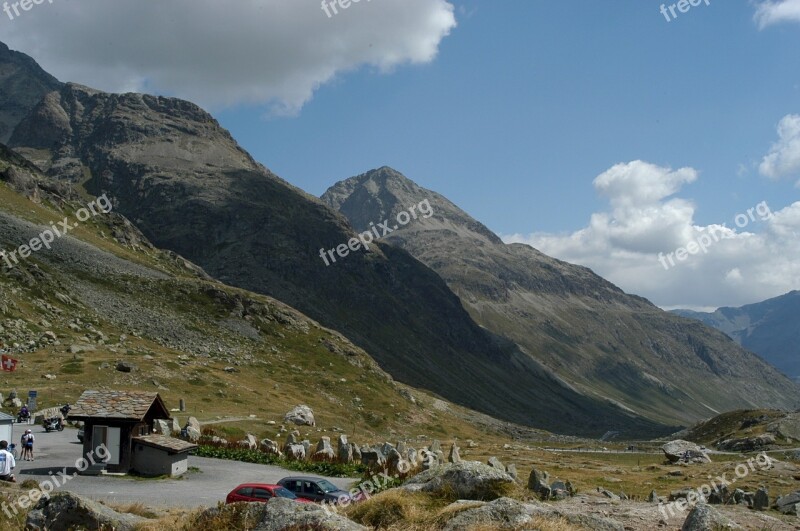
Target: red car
(260,492)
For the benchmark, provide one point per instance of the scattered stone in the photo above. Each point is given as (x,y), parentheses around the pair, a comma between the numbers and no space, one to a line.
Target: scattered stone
(761,500)
(789,504)
(270,447)
(539,482)
(610,495)
(705,518)
(301,416)
(163,427)
(192,428)
(496,463)
(455,455)
(124,366)
(344,450)
(324,451)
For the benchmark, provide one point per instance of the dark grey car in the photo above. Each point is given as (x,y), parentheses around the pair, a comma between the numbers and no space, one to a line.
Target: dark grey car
(312,488)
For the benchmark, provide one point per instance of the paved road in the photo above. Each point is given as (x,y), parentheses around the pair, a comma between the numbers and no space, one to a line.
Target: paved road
(57,450)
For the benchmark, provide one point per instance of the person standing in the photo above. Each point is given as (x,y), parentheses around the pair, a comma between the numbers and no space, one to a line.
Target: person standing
(27,445)
(7,463)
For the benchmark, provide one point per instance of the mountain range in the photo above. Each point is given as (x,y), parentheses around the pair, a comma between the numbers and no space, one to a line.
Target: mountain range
(770,328)
(441,304)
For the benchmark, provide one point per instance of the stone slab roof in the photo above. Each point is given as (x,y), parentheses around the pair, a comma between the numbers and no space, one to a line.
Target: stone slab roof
(122,405)
(162,442)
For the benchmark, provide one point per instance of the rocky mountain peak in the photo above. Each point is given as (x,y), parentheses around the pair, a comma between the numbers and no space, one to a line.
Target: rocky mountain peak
(384,193)
(23,84)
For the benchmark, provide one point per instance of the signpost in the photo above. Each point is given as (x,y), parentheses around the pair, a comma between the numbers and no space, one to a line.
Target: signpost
(32,395)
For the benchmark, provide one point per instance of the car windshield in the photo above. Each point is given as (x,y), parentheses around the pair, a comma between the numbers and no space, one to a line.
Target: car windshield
(284,493)
(327,486)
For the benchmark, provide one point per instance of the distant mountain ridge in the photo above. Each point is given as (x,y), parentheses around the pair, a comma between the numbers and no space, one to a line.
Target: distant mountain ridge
(770,328)
(602,341)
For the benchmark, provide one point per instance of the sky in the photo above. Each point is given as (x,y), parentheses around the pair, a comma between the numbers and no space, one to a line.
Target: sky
(661,151)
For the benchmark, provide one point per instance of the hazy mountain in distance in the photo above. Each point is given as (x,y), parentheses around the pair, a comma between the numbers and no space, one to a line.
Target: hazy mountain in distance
(604,342)
(770,328)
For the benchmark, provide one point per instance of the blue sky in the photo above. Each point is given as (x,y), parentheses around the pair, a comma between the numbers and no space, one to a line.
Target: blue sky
(596,131)
(528,101)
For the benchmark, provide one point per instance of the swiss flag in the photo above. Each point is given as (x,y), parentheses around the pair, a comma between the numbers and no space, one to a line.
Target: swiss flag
(9,363)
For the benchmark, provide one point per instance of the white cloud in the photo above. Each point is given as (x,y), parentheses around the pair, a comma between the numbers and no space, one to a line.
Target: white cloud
(753,256)
(783,159)
(777,11)
(274,53)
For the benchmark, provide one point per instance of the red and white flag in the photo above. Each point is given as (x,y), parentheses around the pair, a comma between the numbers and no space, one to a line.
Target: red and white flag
(9,363)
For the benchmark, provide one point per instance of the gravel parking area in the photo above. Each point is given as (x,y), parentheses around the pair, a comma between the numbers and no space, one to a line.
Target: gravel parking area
(53,452)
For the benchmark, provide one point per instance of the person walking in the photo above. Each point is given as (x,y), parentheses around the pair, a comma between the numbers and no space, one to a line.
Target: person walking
(7,463)
(27,445)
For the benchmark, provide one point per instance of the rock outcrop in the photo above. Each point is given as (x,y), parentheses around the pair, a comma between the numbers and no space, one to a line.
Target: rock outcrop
(65,510)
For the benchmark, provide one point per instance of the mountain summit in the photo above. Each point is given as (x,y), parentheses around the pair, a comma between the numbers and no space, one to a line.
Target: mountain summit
(604,342)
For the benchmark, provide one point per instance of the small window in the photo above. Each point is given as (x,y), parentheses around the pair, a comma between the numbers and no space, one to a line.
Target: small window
(261,494)
(246,491)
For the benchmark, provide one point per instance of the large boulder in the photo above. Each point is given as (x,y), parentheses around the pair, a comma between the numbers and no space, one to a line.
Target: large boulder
(505,512)
(789,504)
(468,480)
(344,450)
(373,459)
(279,514)
(250,442)
(65,510)
(283,514)
(539,482)
(301,416)
(455,454)
(193,430)
(678,450)
(761,500)
(295,452)
(163,427)
(705,518)
(271,447)
(324,451)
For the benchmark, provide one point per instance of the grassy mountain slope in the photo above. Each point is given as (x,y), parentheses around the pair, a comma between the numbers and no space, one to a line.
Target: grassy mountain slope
(104,295)
(604,342)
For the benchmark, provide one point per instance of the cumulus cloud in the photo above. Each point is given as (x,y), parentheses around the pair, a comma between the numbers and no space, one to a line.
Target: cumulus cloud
(777,11)
(783,160)
(635,244)
(274,53)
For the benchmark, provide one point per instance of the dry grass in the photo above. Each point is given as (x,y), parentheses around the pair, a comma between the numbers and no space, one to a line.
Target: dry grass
(138,509)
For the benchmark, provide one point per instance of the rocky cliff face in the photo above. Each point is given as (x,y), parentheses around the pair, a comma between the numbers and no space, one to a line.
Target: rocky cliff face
(190,188)
(606,343)
(22,85)
(769,328)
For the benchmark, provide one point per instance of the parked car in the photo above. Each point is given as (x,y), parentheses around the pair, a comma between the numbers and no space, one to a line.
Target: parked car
(316,489)
(260,492)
